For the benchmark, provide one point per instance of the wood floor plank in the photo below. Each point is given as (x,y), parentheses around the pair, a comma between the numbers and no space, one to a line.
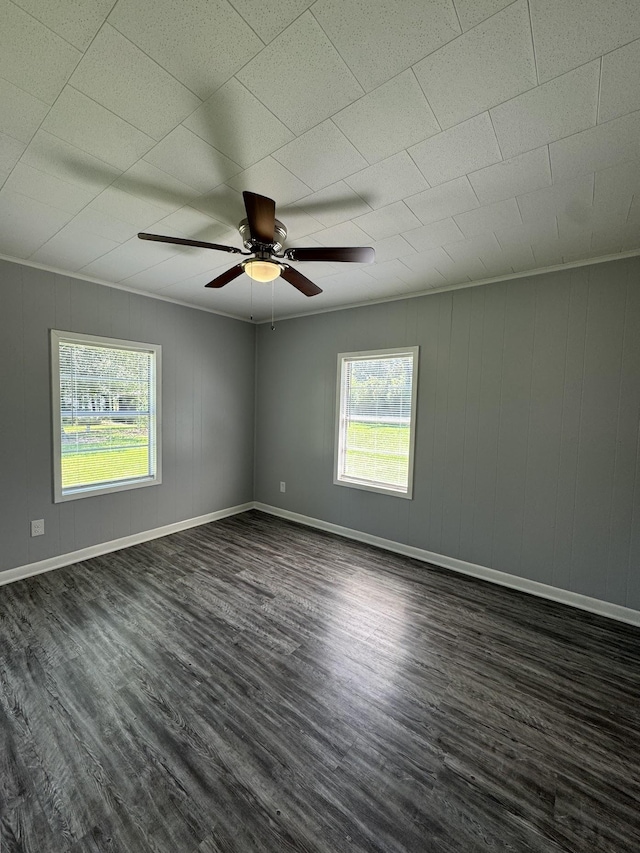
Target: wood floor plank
(254,685)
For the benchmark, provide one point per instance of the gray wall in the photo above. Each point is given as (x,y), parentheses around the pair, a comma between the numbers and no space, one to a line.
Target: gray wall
(207,412)
(527,433)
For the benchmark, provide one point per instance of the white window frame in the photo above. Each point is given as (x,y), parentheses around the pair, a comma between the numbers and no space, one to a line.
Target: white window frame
(339,450)
(155,424)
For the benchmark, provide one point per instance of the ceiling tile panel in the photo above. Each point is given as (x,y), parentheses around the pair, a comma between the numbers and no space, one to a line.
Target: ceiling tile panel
(615,189)
(32,56)
(569,32)
(572,197)
(303,63)
(20,113)
(402,33)
(155,186)
(383,270)
(596,148)
(235,122)
(72,248)
(392,286)
(179,267)
(130,258)
(631,235)
(456,272)
(559,108)
(348,284)
(576,248)
(298,223)
(202,42)
(536,231)
(633,216)
(316,270)
(105,225)
(387,221)
(76,21)
(484,249)
(390,180)
(419,281)
(188,222)
(270,178)
(608,240)
(118,75)
(200,280)
(620,84)
(434,235)
(191,160)
(335,204)
(223,203)
(321,156)
(481,68)
(391,248)
(484,219)
(270,19)
(392,117)
(48,189)
(427,260)
(10,152)
(522,174)
(25,224)
(345,234)
(89,126)
(455,152)
(547,253)
(428,271)
(127,207)
(472,12)
(559,251)
(570,226)
(469,269)
(56,157)
(445,200)
(520,258)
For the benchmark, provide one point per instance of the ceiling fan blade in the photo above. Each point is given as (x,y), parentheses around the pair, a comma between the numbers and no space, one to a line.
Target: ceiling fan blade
(349,255)
(226,276)
(261,215)
(183,242)
(303,284)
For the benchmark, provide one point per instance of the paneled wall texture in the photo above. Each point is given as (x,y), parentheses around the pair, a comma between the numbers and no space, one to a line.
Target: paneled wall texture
(207,412)
(527,434)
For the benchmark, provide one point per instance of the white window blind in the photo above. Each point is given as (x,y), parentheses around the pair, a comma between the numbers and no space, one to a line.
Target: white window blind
(375,432)
(105,414)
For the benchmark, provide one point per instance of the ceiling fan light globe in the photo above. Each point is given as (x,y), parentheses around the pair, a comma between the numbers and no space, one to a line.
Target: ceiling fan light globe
(262,270)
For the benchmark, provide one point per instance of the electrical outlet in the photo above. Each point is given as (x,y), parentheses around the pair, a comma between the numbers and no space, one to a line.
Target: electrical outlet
(37,527)
(283,486)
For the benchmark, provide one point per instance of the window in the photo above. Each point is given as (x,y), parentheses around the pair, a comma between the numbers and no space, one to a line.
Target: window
(106,415)
(375,429)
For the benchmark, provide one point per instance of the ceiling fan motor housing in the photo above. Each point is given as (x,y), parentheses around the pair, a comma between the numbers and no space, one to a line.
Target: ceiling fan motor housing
(263,237)
(279,233)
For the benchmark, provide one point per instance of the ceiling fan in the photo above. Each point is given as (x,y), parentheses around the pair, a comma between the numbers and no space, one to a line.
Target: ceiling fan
(263,237)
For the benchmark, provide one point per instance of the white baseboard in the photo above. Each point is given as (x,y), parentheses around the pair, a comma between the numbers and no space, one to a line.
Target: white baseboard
(38,568)
(542,590)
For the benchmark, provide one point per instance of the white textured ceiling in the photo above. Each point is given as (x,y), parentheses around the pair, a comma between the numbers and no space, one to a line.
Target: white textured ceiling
(463,139)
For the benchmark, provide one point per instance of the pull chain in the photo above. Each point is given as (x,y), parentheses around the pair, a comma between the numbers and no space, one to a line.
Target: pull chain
(251,297)
(273,328)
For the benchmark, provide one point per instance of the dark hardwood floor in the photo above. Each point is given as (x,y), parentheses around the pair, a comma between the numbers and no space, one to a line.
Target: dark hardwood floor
(253,685)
